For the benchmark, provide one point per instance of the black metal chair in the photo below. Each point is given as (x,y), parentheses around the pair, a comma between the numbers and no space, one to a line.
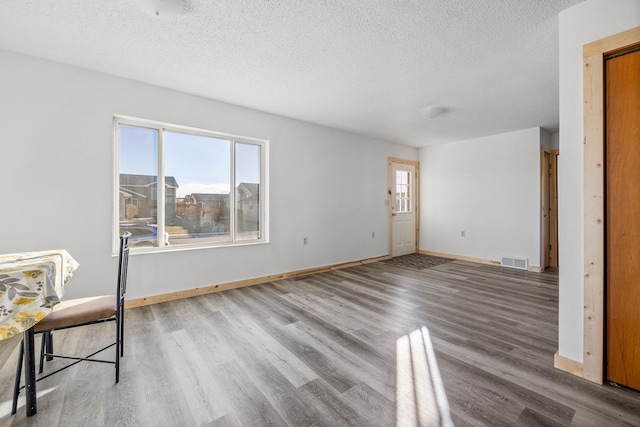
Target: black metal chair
(82,312)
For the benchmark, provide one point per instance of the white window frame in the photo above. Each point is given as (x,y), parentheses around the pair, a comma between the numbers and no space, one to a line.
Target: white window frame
(161,127)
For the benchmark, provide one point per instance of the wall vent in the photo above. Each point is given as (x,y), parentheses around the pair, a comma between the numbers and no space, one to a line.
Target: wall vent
(515,262)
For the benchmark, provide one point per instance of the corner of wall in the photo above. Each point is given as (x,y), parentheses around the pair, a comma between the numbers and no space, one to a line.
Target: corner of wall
(555,141)
(545,140)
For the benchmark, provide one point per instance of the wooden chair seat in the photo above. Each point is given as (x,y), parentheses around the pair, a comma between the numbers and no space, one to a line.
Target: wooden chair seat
(78,311)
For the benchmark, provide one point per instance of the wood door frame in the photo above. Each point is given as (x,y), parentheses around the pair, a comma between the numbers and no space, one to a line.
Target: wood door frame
(594,197)
(551,252)
(545,192)
(553,204)
(416,164)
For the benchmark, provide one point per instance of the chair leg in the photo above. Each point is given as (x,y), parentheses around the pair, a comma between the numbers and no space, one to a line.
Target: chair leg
(119,339)
(16,387)
(43,350)
(121,331)
(46,346)
(49,345)
(118,346)
(117,365)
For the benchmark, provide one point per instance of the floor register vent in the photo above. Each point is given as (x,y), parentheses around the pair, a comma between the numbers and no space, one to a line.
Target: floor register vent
(515,262)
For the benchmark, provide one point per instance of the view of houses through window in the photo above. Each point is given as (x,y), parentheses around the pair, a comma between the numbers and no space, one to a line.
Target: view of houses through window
(199,169)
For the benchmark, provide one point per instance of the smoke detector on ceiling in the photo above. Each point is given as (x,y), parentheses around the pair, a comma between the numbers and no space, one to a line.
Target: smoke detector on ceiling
(164,9)
(432,111)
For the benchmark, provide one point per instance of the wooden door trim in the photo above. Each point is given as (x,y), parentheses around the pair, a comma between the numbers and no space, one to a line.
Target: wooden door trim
(553,205)
(594,243)
(416,164)
(545,192)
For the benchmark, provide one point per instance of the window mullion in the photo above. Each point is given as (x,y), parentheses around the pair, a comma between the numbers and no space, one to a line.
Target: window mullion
(263,193)
(232,193)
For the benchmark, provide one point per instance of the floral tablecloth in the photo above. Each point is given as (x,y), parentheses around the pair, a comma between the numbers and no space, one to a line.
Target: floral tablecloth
(31,283)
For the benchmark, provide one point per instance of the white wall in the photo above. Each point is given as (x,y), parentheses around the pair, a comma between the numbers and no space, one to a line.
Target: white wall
(579,25)
(546,140)
(490,188)
(555,141)
(57,179)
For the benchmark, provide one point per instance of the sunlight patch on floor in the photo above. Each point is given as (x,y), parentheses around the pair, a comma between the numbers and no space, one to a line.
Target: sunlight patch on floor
(420,395)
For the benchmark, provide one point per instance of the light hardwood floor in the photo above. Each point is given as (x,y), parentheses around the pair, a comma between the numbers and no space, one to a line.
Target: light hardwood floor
(320,350)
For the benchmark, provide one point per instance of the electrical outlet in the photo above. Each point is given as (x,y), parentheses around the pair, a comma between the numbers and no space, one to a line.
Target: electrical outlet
(463,233)
(305,240)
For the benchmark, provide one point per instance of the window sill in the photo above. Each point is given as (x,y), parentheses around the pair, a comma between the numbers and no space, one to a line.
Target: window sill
(153,250)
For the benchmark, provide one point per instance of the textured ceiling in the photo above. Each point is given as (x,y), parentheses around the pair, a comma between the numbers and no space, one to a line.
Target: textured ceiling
(366,66)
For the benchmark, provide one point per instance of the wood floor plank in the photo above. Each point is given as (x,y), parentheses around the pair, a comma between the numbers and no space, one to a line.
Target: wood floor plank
(376,409)
(332,371)
(296,372)
(251,406)
(375,376)
(334,408)
(276,389)
(193,373)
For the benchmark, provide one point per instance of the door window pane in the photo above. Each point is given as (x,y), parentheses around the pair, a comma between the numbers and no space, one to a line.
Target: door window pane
(403,191)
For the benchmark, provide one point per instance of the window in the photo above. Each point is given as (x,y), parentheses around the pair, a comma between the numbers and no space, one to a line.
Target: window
(403,191)
(213,185)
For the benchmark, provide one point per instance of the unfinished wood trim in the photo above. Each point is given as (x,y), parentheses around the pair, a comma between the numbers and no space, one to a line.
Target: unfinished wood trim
(460,257)
(613,44)
(568,365)
(415,164)
(389,204)
(188,293)
(553,203)
(417,206)
(594,243)
(404,161)
(545,193)
(594,262)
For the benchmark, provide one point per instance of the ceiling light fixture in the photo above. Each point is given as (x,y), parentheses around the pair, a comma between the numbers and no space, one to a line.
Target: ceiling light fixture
(164,9)
(432,111)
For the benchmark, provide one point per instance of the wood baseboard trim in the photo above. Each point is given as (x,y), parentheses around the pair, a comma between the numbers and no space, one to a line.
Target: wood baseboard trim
(532,268)
(460,257)
(188,293)
(568,365)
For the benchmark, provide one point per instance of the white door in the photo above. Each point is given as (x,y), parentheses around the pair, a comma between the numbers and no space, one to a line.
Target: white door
(403,209)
